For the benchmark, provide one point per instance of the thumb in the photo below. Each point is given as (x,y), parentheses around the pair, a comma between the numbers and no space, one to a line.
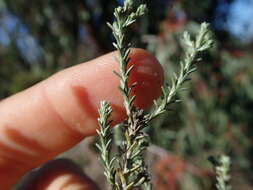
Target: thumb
(58,175)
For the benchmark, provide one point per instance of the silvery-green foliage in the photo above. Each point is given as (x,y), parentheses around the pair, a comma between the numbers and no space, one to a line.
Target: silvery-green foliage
(222,166)
(188,65)
(105,141)
(128,171)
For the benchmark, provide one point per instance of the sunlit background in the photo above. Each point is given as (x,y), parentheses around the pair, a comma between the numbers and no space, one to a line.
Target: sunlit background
(232,16)
(39,38)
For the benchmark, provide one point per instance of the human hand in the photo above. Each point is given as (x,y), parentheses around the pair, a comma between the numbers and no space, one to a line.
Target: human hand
(54,115)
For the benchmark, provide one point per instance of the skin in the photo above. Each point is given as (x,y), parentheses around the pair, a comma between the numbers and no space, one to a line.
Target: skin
(51,117)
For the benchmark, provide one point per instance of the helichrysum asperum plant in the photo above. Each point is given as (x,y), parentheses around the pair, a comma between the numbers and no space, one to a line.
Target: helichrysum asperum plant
(127,171)
(221,167)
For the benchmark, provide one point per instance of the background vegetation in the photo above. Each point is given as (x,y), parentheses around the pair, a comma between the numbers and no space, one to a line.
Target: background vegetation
(38,38)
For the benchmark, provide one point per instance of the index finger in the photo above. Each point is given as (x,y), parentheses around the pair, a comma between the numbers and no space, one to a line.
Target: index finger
(54,115)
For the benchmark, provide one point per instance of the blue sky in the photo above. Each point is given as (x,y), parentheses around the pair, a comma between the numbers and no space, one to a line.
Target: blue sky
(240,21)
(239,18)
(11,28)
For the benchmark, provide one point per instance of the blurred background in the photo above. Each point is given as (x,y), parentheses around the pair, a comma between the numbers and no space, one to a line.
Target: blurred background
(39,38)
